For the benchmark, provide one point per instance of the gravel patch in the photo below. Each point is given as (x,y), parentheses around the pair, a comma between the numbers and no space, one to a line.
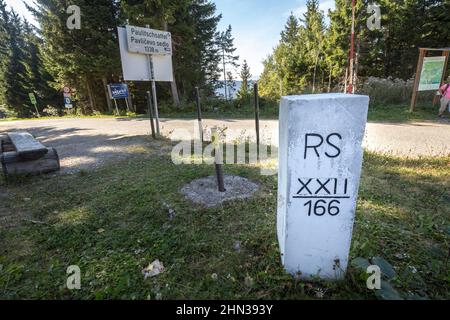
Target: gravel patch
(204,191)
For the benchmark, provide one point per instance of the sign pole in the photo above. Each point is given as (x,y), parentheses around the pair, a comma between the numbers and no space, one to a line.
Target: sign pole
(255,91)
(199,115)
(155,102)
(150,113)
(117,109)
(126,102)
(37,111)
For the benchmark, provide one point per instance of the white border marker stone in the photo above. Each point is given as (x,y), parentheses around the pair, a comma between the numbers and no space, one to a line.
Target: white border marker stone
(320,158)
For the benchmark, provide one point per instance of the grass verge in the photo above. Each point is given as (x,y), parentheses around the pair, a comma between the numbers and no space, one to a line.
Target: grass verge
(268,110)
(114,221)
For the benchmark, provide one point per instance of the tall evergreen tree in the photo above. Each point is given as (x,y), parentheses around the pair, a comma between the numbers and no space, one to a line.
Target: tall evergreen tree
(225,42)
(81,58)
(14,84)
(193,24)
(291,29)
(245,77)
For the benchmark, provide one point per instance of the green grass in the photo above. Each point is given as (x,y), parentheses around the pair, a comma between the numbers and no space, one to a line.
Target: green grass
(268,110)
(123,115)
(401,113)
(113,222)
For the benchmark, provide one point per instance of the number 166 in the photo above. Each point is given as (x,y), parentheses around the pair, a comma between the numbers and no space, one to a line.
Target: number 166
(321,207)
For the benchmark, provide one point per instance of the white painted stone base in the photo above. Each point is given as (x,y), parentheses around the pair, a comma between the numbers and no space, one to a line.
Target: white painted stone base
(320,158)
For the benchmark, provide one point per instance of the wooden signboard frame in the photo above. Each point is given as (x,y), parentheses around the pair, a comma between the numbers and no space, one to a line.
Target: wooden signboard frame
(422,55)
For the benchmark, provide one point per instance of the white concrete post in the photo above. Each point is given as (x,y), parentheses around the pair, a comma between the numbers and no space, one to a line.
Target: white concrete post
(320,158)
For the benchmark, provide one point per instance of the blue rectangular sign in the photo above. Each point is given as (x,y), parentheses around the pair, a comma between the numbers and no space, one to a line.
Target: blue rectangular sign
(118,90)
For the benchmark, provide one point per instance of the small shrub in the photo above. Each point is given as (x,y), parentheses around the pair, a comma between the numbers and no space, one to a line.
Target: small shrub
(5,112)
(51,111)
(391,91)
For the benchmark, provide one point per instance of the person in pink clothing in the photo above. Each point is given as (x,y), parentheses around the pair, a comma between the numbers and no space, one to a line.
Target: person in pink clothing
(445,97)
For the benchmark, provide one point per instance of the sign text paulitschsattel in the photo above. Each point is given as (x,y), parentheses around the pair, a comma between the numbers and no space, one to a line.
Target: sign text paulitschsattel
(148,41)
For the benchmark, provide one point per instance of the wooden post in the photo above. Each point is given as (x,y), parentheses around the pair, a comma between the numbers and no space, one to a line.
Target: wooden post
(422,53)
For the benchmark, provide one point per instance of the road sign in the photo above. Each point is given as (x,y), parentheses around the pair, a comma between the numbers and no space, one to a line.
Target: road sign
(68,103)
(118,91)
(136,67)
(32,98)
(66,89)
(320,157)
(148,41)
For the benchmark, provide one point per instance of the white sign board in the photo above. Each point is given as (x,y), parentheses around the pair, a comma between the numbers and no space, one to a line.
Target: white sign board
(148,41)
(320,158)
(136,67)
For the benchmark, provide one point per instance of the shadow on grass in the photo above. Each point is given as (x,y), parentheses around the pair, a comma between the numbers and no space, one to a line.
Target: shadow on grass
(114,221)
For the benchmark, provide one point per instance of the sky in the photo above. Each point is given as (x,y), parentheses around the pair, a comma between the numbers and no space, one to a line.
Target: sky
(20,8)
(256,24)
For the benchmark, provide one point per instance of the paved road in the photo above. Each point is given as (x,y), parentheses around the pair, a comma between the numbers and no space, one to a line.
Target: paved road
(87,143)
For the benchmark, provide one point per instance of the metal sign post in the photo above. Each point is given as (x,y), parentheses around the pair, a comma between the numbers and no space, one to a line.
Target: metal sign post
(146,55)
(155,100)
(199,115)
(255,89)
(150,113)
(117,109)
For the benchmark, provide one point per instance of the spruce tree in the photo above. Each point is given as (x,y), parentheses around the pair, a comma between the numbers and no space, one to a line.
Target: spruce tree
(81,58)
(245,75)
(290,33)
(225,43)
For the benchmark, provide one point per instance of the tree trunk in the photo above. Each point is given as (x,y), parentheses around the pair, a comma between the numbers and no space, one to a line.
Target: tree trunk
(130,100)
(315,70)
(173,84)
(91,98)
(224,74)
(329,80)
(108,100)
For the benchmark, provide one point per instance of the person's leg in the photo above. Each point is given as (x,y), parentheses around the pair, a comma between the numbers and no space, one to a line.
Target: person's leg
(444,104)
